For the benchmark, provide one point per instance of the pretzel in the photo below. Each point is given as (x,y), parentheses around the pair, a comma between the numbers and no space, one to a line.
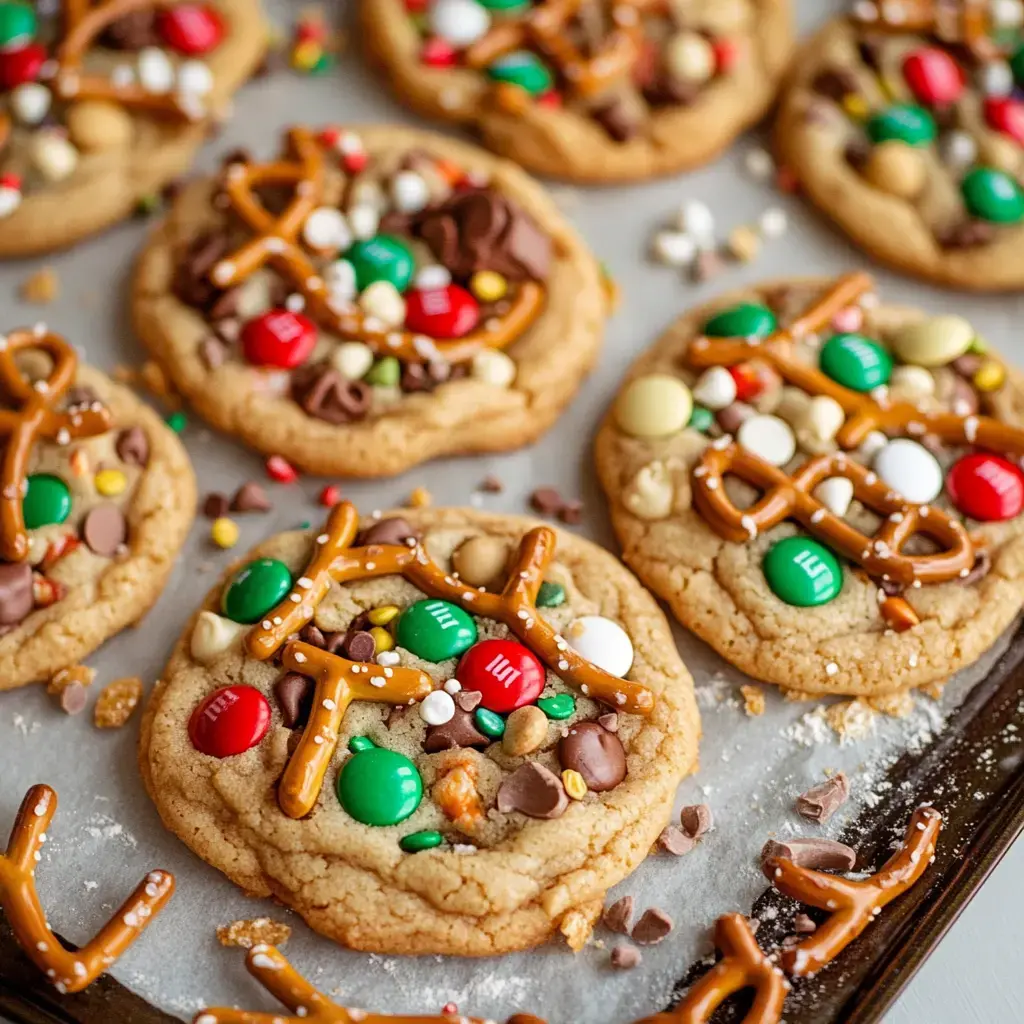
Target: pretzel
(853,904)
(742,966)
(34,418)
(335,560)
(273,971)
(965,21)
(69,971)
(791,497)
(277,243)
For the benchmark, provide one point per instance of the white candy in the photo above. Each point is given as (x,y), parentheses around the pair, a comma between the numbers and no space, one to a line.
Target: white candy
(459,22)
(759,163)
(773,222)
(409,192)
(340,278)
(432,277)
(995,78)
(602,642)
(872,445)
(835,494)
(10,200)
(912,382)
(769,437)
(326,229)
(958,149)
(494,367)
(30,102)
(195,78)
(1006,13)
(715,388)
(697,220)
(54,156)
(909,469)
(674,248)
(437,708)
(383,301)
(156,72)
(352,359)
(364,220)
(212,635)
(824,417)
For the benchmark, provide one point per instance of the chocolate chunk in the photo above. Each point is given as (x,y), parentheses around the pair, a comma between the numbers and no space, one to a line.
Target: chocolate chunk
(294,693)
(310,634)
(675,841)
(533,790)
(804,925)
(571,512)
(980,569)
(80,396)
(213,352)
(469,700)
(16,600)
(546,500)
(967,234)
(619,916)
(967,365)
(191,283)
(835,83)
(359,646)
(609,721)
(964,399)
(820,802)
(132,446)
(250,497)
(818,854)
(652,927)
(72,698)
(857,153)
(459,731)
(215,505)
(491,485)
(393,530)
(226,304)
(105,530)
(595,753)
(326,395)
(625,958)
(133,32)
(617,119)
(696,819)
(415,379)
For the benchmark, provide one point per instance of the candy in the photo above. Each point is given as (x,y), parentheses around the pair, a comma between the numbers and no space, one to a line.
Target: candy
(110,482)
(701,419)
(47,501)
(506,674)
(835,494)
(990,376)
(435,630)
(594,752)
(562,705)
(53,156)
(327,230)
(280,470)
(437,708)
(933,75)
(438,53)
(656,405)
(458,22)
(448,312)
(229,721)
(21,66)
(986,487)
(383,615)
(524,69)
(493,367)
(689,57)
(488,285)
(377,786)
(382,302)
(855,361)
(903,122)
(409,192)
(212,635)
(715,389)
(747,320)
(224,532)
(279,338)
(17,24)
(190,29)
(489,723)
(749,383)
(1006,114)
(602,642)
(993,195)
(550,595)
(156,72)
(896,168)
(936,341)
(415,842)
(381,258)
(30,103)
(352,359)
(769,437)
(385,373)
(909,469)
(802,572)
(255,589)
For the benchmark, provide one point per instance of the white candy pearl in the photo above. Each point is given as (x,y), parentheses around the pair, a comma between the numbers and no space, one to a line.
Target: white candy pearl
(995,78)
(674,248)
(212,635)
(769,437)
(494,367)
(327,229)
(10,200)
(773,222)
(340,278)
(156,73)
(409,192)
(909,469)
(715,388)
(30,102)
(835,494)
(602,642)
(1007,13)
(437,708)
(689,57)
(697,220)
(54,156)
(459,22)
(364,220)
(195,78)
(352,359)
(383,301)
(958,149)
(432,277)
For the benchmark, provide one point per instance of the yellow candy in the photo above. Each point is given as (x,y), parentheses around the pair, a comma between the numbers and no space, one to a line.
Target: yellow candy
(306,54)
(420,498)
(488,285)
(224,532)
(856,106)
(991,376)
(383,615)
(574,784)
(110,482)
(382,639)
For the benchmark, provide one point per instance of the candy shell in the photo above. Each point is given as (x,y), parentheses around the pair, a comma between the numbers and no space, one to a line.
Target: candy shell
(1006,114)
(747,320)
(379,787)
(936,341)
(19,67)
(933,75)
(506,674)
(458,22)
(435,630)
(18,24)
(601,641)
(653,406)
(47,501)
(993,195)
(279,338)
(448,312)
(255,589)
(909,469)
(562,705)
(190,29)
(986,487)
(904,122)
(802,572)
(524,69)
(381,258)
(229,721)
(415,842)
(855,361)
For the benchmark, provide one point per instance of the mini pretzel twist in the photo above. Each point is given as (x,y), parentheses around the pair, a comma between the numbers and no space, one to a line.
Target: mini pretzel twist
(791,497)
(742,966)
(966,21)
(277,243)
(33,418)
(69,971)
(853,904)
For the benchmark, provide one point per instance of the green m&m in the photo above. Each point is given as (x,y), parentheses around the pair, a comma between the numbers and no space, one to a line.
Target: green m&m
(378,786)
(489,723)
(435,630)
(802,572)
(701,419)
(1017,67)
(562,705)
(47,501)
(550,595)
(524,69)
(747,320)
(855,362)
(902,122)
(255,589)
(381,258)
(17,24)
(417,841)
(993,195)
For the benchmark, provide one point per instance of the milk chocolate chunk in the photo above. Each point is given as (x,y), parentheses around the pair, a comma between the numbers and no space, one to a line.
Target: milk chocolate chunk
(105,530)
(16,599)
(817,854)
(533,790)
(598,755)
(820,802)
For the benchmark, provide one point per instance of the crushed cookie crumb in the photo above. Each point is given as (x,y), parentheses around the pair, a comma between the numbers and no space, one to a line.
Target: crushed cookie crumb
(578,925)
(851,720)
(249,933)
(895,705)
(40,288)
(753,700)
(420,498)
(117,702)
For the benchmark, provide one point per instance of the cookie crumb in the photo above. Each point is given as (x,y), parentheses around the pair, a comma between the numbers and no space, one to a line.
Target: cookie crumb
(743,244)
(625,958)
(895,705)
(259,930)
(117,702)
(577,927)
(753,700)
(420,498)
(851,720)
(40,288)
(155,381)
(934,690)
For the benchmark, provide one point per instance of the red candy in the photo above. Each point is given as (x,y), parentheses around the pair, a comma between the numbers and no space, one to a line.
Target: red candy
(18,67)
(934,76)
(437,53)
(551,100)
(279,338)
(330,496)
(506,673)
(748,381)
(191,29)
(986,487)
(1006,115)
(727,52)
(280,470)
(448,312)
(230,721)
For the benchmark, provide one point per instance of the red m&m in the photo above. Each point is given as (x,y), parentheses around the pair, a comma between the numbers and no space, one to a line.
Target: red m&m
(448,312)
(1006,115)
(986,487)
(507,674)
(19,67)
(279,338)
(934,76)
(748,381)
(230,721)
(191,29)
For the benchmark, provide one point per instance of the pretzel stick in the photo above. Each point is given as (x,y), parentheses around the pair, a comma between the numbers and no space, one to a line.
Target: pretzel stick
(742,966)
(5,130)
(34,419)
(69,971)
(338,683)
(854,904)
(967,23)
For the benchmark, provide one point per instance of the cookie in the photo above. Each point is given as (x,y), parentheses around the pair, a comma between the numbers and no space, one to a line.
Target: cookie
(381,755)
(97,497)
(100,108)
(906,131)
(824,488)
(410,297)
(616,90)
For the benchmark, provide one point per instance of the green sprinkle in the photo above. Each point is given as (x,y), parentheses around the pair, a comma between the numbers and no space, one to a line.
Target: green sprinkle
(560,706)
(550,595)
(489,723)
(417,841)
(385,372)
(360,743)
(177,421)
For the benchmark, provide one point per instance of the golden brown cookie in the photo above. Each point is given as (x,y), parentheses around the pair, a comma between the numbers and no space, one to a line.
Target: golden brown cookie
(102,106)
(437,771)
(97,498)
(824,488)
(611,90)
(907,132)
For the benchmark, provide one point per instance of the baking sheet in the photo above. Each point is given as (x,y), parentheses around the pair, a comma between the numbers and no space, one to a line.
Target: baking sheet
(106,835)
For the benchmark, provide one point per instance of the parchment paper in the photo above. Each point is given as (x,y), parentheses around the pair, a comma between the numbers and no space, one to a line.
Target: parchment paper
(107,835)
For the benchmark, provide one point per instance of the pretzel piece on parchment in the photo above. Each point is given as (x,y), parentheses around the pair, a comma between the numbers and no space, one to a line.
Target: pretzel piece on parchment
(34,418)
(69,971)
(277,242)
(852,904)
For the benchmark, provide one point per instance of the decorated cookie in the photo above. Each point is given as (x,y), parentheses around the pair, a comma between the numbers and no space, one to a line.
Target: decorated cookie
(409,297)
(592,90)
(358,729)
(842,511)
(96,499)
(904,123)
(102,104)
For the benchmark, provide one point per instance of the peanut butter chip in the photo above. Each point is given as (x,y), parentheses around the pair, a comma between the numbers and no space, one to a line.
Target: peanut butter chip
(117,702)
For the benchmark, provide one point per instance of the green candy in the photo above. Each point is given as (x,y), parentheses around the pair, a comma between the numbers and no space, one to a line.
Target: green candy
(417,841)
(993,196)
(255,589)
(489,723)
(802,572)
(17,25)
(855,362)
(505,6)
(47,501)
(701,419)
(385,373)
(378,786)
(902,122)
(1017,67)
(381,258)
(177,421)
(550,595)
(524,69)
(747,320)
(435,630)
(560,706)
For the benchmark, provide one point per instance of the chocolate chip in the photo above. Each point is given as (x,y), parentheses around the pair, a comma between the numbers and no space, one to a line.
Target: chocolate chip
(967,234)
(132,446)
(609,721)
(191,283)
(215,505)
(804,925)
(72,698)
(334,641)
(546,500)
(964,399)
(310,634)
(835,83)
(393,530)
(533,790)
(820,802)
(675,841)
(617,119)
(871,51)
(326,395)
(967,365)
(250,497)
(571,512)
(595,753)
(625,958)
(491,485)
(857,153)
(16,600)
(469,700)
(652,927)
(213,352)
(459,731)
(696,819)
(105,530)
(133,32)
(226,304)
(415,379)
(980,569)
(619,916)
(294,693)
(359,646)
(888,587)
(818,854)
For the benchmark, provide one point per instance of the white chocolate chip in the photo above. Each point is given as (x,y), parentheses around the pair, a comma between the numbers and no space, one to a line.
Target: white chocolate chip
(674,248)
(383,301)
(409,192)
(835,494)
(824,417)
(327,229)
(494,367)
(54,156)
(30,102)
(156,73)
(715,388)
(212,635)
(352,359)
(650,493)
